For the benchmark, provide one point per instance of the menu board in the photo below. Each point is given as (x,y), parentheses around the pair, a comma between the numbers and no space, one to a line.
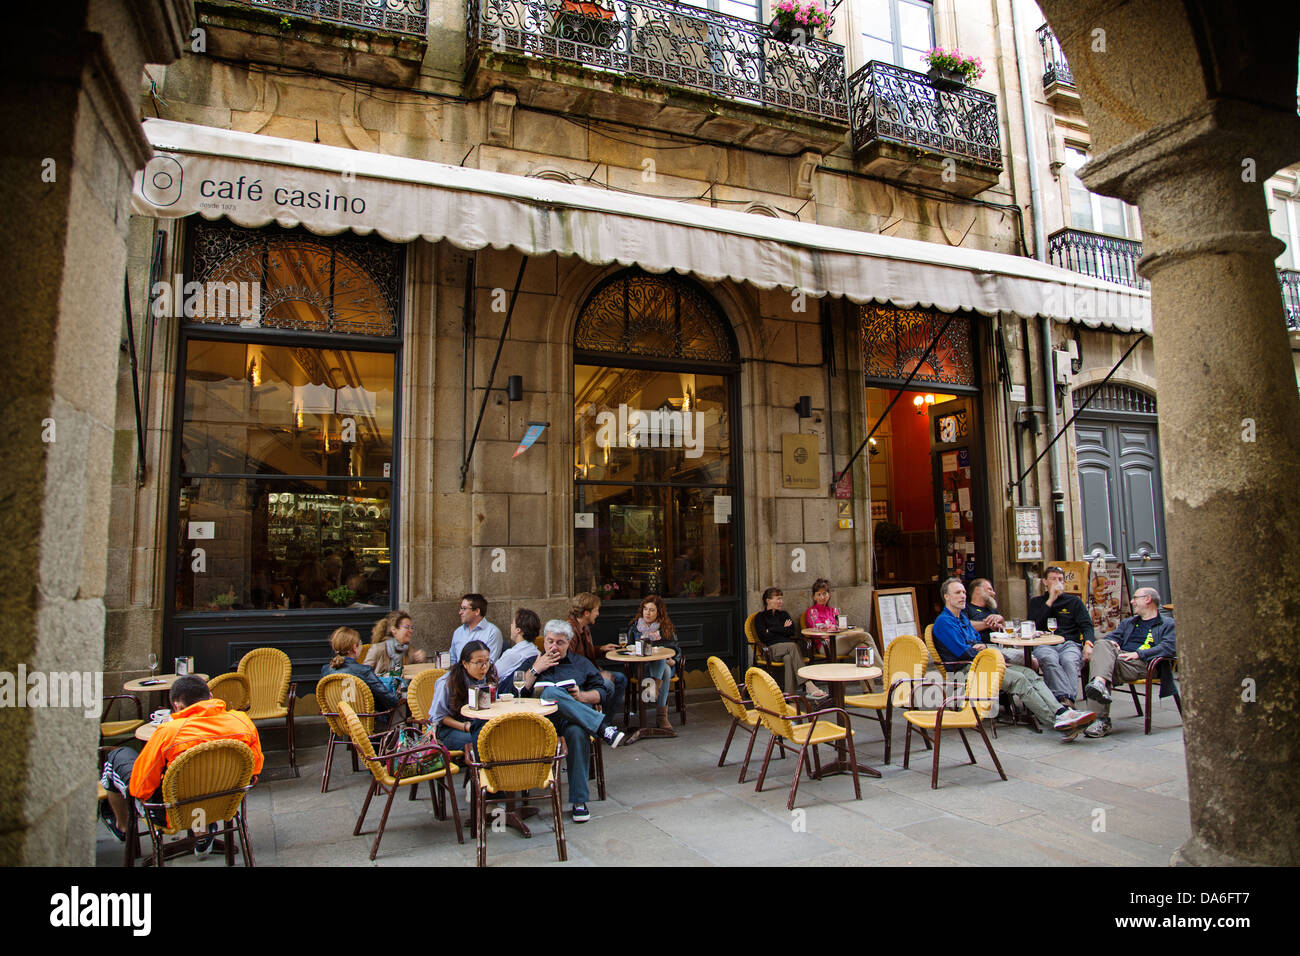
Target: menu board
(895,610)
(1106,597)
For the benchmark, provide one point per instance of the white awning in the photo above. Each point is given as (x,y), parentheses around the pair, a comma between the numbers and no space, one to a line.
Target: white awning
(254,180)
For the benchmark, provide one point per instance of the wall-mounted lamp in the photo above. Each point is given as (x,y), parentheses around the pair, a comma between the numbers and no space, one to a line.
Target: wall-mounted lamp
(922,401)
(515,388)
(804,406)
(872,448)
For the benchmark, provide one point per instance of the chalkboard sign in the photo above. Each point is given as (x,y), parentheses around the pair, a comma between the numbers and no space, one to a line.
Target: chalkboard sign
(895,610)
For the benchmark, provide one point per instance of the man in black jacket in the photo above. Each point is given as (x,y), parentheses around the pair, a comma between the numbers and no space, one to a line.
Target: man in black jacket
(1061,663)
(1124,654)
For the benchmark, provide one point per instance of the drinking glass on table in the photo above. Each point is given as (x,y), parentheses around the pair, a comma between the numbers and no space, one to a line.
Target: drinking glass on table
(1009,626)
(520,678)
(622,638)
(153,664)
(1051,624)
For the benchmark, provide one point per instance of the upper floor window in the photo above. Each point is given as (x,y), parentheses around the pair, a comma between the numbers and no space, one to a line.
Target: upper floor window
(1284,221)
(1104,214)
(897,32)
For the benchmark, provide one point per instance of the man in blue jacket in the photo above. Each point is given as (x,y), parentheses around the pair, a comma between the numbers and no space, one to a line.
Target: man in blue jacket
(575,685)
(957,643)
(1124,654)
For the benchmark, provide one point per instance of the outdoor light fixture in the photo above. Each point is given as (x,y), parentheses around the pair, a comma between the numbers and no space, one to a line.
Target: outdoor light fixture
(921,401)
(804,406)
(872,448)
(515,388)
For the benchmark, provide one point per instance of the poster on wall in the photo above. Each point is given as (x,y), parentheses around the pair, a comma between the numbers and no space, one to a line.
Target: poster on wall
(800,463)
(1106,597)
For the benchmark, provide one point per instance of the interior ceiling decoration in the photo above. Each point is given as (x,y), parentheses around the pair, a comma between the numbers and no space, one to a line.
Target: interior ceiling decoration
(343,284)
(894,341)
(658,316)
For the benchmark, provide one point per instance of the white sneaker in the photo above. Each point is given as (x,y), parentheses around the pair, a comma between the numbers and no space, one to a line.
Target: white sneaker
(612,736)
(1072,719)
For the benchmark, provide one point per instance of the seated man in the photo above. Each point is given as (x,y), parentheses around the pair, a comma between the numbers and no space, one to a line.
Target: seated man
(957,644)
(475,627)
(982,609)
(1061,662)
(576,686)
(196,718)
(1123,654)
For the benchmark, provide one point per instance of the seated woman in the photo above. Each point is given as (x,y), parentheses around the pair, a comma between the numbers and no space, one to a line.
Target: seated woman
(390,641)
(775,629)
(821,614)
(451,693)
(346,643)
(522,650)
(653,624)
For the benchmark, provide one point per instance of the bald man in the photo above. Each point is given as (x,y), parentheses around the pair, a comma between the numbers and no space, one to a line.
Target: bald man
(1124,654)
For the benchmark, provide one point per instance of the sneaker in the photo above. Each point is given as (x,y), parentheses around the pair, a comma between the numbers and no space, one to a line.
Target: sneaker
(203,845)
(106,814)
(612,736)
(580,812)
(1074,719)
(1100,729)
(1096,690)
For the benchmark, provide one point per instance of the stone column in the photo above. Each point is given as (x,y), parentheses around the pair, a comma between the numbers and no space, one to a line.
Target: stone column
(1230,455)
(73,141)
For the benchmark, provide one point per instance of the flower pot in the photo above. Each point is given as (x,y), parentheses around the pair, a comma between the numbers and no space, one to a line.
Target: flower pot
(793,32)
(946,79)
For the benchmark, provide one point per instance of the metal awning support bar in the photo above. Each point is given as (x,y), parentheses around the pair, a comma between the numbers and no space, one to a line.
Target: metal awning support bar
(902,388)
(1086,402)
(135,382)
(505,327)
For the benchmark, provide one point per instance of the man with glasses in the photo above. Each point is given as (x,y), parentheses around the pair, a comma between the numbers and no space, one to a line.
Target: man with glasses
(475,627)
(1061,663)
(1124,653)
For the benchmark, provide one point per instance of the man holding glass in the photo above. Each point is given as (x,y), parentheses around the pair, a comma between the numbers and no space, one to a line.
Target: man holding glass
(1063,614)
(576,687)
(1123,655)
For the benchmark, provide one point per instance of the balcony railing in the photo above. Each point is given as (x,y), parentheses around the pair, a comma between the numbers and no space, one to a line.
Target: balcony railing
(1055,69)
(1102,257)
(902,106)
(392,16)
(1290,280)
(675,44)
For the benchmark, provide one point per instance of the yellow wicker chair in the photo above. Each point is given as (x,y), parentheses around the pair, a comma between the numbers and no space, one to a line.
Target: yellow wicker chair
(738,708)
(758,650)
(515,753)
(934,651)
(419,693)
(963,711)
(109,730)
(204,785)
(780,718)
(904,665)
(272,695)
(330,691)
(233,688)
(381,770)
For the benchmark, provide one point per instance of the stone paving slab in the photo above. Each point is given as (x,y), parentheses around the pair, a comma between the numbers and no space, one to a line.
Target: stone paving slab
(671,805)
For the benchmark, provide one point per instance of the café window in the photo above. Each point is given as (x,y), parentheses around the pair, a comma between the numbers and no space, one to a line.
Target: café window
(653,422)
(285,467)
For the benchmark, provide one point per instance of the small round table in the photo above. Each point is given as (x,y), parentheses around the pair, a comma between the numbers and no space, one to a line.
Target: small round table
(146,730)
(410,670)
(1040,639)
(639,661)
(144,684)
(515,813)
(832,633)
(837,675)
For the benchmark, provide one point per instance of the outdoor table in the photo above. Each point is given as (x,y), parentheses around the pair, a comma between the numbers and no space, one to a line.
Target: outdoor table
(831,633)
(639,661)
(137,685)
(837,675)
(145,731)
(1040,639)
(515,813)
(410,670)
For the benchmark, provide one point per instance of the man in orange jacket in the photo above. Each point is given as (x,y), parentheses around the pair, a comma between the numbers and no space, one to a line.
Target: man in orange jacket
(196,718)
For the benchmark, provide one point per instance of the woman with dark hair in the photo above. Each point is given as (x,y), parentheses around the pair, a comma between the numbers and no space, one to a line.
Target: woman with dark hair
(653,624)
(345,642)
(451,693)
(775,628)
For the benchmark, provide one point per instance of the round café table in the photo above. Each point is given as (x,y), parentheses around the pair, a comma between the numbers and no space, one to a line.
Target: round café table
(146,730)
(836,676)
(145,684)
(410,670)
(832,633)
(1040,639)
(515,813)
(639,661)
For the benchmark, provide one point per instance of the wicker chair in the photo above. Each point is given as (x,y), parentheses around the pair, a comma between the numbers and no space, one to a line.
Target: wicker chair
(272,694)
(742,715)
(419,693)
(110,730)
(204,785)
(985,676)
(330,691)
(381,770)
(780,718)
(904,663)
(758,653)
(515,753)
(233,688)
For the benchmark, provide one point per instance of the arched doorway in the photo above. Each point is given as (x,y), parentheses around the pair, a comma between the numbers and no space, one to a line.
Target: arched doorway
(656,475)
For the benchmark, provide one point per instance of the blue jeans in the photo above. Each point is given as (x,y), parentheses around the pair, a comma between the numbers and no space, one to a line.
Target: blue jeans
(615,691)
(1060,665)
(575,721)
(454,739)
(661,670)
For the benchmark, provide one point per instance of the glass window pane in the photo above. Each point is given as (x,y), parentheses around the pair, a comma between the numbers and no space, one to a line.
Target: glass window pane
(914,25)
(874,49)
(874,15)
(266,409)
(914,59)
(1280,227)
(738,8)
(274,543)
(640,425)
(1112,216)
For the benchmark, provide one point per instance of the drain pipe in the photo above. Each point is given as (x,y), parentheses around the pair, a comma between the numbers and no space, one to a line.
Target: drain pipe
(1040,253)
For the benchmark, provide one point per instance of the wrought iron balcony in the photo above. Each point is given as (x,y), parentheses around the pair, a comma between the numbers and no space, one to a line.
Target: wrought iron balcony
(664,42)
(893,105)
(1055,69)
(1290,280)
(1096,255)
(391,16)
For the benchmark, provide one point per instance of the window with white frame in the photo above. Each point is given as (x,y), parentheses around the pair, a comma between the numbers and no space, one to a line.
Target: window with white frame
(1104,214)
(1284,222)
(896,31)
